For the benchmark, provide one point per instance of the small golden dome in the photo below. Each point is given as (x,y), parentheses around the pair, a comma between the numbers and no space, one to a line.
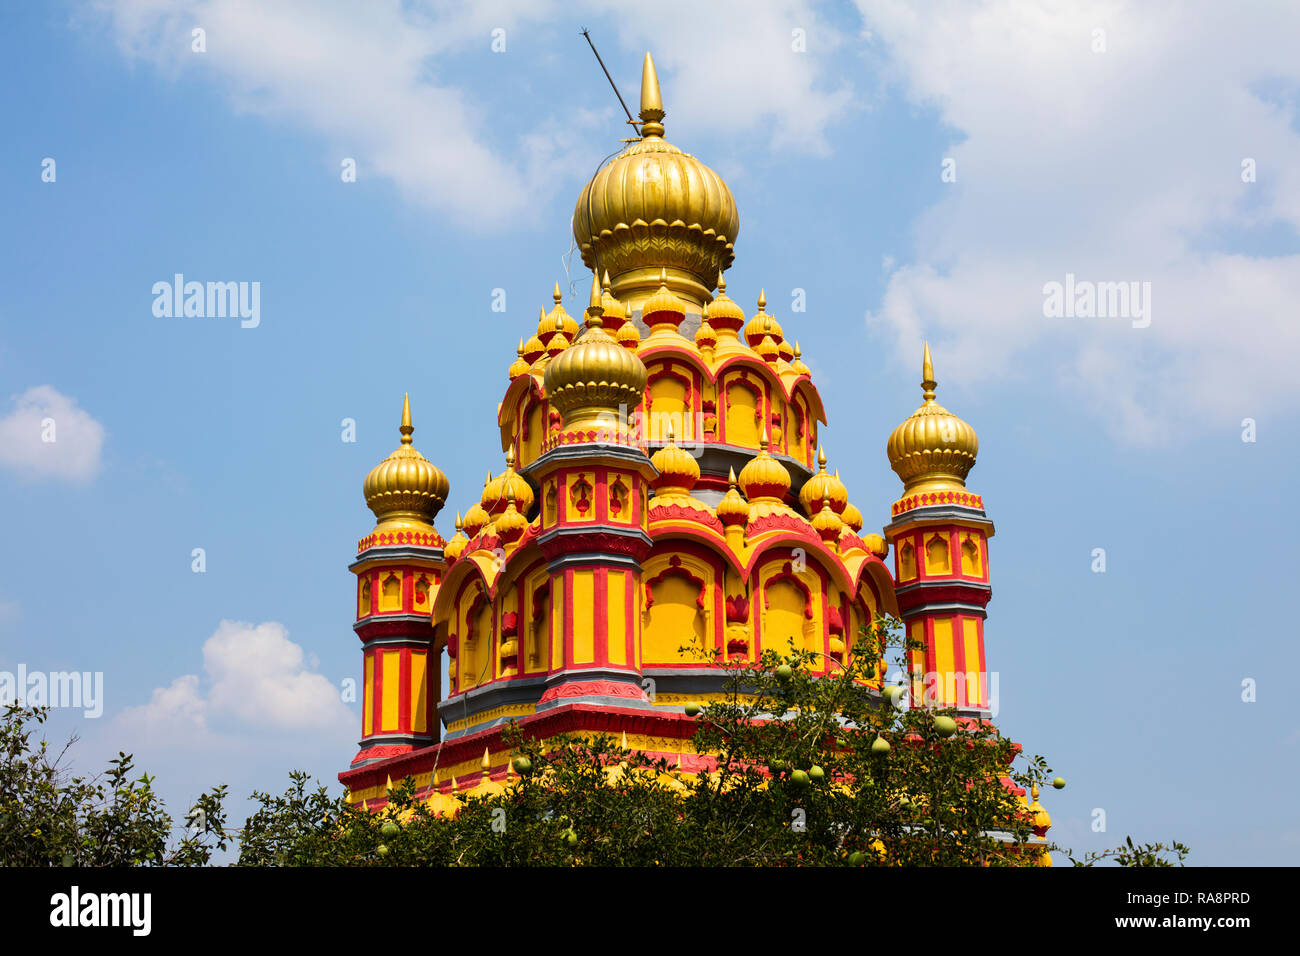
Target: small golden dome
(822,485)
(678,469)
(732,509)
(556,319)
(405,488)
(768,350)
(628,336)
(852,517)
(595,377)
(510,524)
(520,365)
(507,488)
(475,520)
(724,314)
(559,341)
(456,546)
(798,364)
(533,349)
(654,206)
(876,544)
(787,353)
(763,476)
(827,523)
(705,337)
(663,311)
(611,309)
(1041,821)
(762,324)
(933,450)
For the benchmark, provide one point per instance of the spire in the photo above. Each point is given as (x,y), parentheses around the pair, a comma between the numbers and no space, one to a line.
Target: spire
(556,294)
(652,104)
(927,375)
(407,428)
(762,299)
(595,309)
(821,457)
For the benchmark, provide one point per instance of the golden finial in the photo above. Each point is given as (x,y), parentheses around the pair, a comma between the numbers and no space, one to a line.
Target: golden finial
(460,522)
(594,308)
(762,299)
(556,294)
(652,104)
(604,282)
(731,476)
(541,317)
(520,350)
(927,375)
(765,440)
(559,324)
(722,284)
(407,428)
(486,762)
(388,786)
(767,324)
(797,353)
(510,456)
(627,311)
(670,432)
(821,457)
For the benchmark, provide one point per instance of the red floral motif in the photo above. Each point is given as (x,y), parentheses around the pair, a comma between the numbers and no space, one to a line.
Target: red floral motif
(663,512)
(783,522)
(737,606)
(380,751)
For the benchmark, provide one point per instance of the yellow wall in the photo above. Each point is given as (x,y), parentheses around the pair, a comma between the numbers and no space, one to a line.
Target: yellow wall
(742,427)
(674,620)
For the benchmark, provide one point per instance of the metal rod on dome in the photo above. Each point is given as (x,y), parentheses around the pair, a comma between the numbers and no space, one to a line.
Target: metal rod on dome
(630,120)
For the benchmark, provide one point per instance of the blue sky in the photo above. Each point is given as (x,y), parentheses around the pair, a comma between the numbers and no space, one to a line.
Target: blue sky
(1117,164)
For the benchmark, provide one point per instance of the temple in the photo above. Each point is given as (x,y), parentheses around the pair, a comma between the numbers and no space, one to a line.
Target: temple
(664,497)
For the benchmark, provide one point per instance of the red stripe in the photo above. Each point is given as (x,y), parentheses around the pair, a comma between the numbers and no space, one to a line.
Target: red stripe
(601,614)
(959,658)
(568,617)
(377,696)
(629,622)
(404,690)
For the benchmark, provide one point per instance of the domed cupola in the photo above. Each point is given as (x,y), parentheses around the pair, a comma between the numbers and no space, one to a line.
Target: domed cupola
(933,450)
(594,380)
(654,206)
(405,490)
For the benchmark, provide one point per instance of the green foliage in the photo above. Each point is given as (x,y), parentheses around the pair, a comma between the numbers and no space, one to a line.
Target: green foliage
(48,817)
(1142,854)
(792,767)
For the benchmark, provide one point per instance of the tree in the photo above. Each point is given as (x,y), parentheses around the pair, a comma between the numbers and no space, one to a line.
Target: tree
(49,817)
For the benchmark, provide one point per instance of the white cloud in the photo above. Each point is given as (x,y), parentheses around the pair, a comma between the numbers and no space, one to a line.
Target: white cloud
(1116,166)
(48,436)
(372,79)
(255,680)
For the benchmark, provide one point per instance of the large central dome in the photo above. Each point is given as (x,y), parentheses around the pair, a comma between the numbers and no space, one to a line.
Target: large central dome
(655,207)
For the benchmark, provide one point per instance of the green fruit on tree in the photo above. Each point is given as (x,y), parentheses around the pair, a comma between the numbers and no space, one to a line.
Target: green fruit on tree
(523,766)
(692,709)
(857,858)
(570,837)
(381,850)
(785,672)
(1059,783)
(799,778)
(945,726)
(880,746)
(816,773)
(388,830)
(893,693)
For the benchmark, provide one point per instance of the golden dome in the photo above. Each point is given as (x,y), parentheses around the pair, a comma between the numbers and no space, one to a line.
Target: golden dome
(732,509)
(678,469)
(762,324)
(822,485)
(595,377)
(763,476)
(511,524)
(724,314)
(533,349)
(405,489)
(558,341)
(654,206)
(627,335)
(556,319)
(798,364)
(787,353)
(475,520)
(827,523)
(456,546)
(768,350)
(705,337)
(663,311)
(507,488)
(933,450)
(520,365)
(852,517)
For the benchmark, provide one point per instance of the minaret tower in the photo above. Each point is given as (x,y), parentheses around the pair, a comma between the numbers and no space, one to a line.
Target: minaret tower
(399,567)
(939,536)
(595,485)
